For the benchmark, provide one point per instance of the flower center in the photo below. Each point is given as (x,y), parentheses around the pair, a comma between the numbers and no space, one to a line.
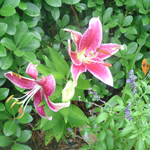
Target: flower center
(26,98)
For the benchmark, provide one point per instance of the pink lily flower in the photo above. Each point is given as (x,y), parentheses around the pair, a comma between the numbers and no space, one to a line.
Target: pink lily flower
(38,88)
(90,53)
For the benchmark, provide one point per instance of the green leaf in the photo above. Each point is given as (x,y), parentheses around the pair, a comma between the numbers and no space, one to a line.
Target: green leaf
(2,51)
(25,119)
(55,12)
(101,117)
(49,135)
(8,43)
(127,21)
(25,39)
(5,141)
(3,93)
(24,147)
(54,3)
(132,47)
(107,15)
(120,74)
(9,127)
(32,10)
(21,29)
(128,129)
(13,3)
(3,27)
(4,115)
(29,56)
(2,107)
(131,30)
(146,4)
(119,108)
(110,142)
(58,129)
(59,63)
(91,3)
(130,2)
(7,11)
(145,20)
(22,6)
(71,2)
(11,28)
(130,36)
(65,20)
(82,84)
(111,24)
(16,147)
(6,61)
(19,53)
(25,136)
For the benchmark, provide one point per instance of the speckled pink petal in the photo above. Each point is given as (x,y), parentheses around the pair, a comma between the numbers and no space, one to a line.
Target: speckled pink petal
(40,109)
(48,84)
(56,106)
(92,37)
(32,71)
(100,71)
(76,71)
(20,81)
(73,55)
(76,37)
(110,50)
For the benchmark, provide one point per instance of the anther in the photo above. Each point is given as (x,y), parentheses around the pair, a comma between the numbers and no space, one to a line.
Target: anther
(20,109)
(21,115)
(9,98)
(17,75)
(14,103)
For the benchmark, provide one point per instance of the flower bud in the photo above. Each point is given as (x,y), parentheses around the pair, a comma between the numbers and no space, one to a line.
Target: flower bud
(68,92)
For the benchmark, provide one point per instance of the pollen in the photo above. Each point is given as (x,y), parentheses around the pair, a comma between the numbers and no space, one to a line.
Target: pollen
(21,115)
(9,98)
(17,75)
(20,109)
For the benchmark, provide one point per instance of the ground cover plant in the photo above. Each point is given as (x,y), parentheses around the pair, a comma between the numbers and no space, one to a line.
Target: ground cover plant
(54,53)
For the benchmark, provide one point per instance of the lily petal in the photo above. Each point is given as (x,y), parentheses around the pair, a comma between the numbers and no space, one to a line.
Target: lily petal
(40,109)
(73,55)
(18,80)
(100,71)
(32,71)
(48,84)
(92,37)
(76,37)
(110,49)
(76,71)
(56,106)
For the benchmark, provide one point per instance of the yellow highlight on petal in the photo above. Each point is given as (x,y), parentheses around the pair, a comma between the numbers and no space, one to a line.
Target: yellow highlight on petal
(75,37)
(9,98)
(21,115)
(17,75)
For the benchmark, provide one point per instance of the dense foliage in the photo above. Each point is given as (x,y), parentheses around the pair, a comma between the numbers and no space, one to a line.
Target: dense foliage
(32,31)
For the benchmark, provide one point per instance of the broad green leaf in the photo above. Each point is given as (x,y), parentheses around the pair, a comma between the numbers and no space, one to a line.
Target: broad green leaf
(120,18)
(132,47)
(32,10)
(107,15)
(24,147)
(19,53)
(127,21)
(119,108)
(101,117)
(128,129)
(29,56)
(111,24)
(146,4)
(120,74)
(91,3)
(2,51)
(130,2)
(3,27)
(25,39)
(8,43)
(130,36)
(101,136)
(145,20)
(71,2)
(21,29)
(4,115)
(7,11)
(3,93)
(58,129)
(25,136)
(6,61)
(13,3)
(22,5)
(82,84)
(131,30)
(16,147)
(5,141)
(2,107)
(60,65)
(54,3)
(65,20)
(9,127)
(25,119)
(49,135)
(55,12)
(110,142)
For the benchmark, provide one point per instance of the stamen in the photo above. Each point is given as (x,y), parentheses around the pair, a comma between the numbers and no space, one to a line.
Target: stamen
(17,75)
(21,115)
(9,98)
(14,103)
(107,64)
(103,51)
(20,109)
